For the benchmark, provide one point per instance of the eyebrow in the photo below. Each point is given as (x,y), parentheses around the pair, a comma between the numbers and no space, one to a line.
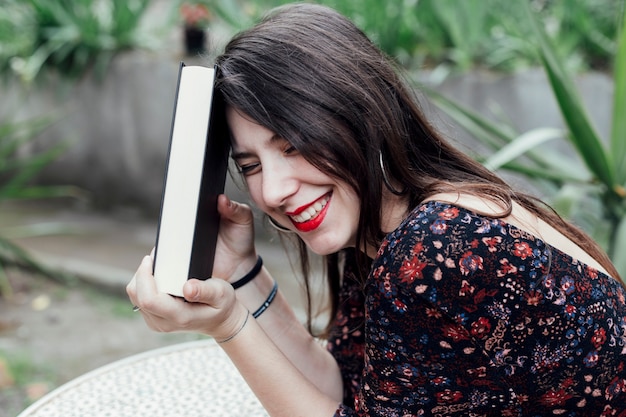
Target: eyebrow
(241,155)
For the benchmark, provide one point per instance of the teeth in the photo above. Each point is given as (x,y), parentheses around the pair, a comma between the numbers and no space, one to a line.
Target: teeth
(312,211)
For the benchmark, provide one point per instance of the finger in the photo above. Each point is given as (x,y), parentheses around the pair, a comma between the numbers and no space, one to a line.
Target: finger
(212,292)
(131,289)
(173,314)
(146,294)
(144,272)
(235,212)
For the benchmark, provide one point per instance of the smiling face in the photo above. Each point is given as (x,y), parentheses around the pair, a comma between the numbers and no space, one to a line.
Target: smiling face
(322,210)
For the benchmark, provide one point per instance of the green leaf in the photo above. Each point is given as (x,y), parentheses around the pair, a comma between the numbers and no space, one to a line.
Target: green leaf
(27,170)
(521,145)
(555,174)
(618,129)
(583,135)
(6,290)
(541,163)
(619,249)
(43,192)
(492,134)
(40,229)
(12,254)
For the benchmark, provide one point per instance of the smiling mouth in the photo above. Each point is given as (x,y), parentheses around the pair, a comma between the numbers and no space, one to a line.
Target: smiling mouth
(312,211)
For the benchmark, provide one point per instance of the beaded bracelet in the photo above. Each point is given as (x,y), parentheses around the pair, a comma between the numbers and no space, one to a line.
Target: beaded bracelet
(231,337)
(267,302)
(250,275)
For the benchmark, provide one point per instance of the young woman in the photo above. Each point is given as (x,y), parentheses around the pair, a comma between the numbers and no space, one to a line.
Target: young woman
(452,294)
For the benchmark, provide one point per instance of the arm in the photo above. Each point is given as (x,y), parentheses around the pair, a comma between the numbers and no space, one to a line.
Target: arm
(213,309)
(217,310)
(278,384)
(284,329)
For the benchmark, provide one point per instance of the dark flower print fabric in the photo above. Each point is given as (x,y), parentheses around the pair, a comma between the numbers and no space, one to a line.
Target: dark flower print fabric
(465,315)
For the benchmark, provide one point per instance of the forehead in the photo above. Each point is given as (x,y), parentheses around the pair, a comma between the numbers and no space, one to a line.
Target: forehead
(244,130)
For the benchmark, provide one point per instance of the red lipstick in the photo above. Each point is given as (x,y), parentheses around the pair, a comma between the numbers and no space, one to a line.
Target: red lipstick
(313,223)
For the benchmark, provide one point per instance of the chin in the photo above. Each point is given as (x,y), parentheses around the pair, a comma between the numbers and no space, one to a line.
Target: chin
(326,247)
(322,252)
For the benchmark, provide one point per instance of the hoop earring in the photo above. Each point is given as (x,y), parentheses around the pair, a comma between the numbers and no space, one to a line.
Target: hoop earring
(386,179)
(278,226)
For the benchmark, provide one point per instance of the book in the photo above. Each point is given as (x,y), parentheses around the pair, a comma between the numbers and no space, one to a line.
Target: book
(196,167)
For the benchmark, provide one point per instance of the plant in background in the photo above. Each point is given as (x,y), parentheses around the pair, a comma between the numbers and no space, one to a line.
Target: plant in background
(195,15)
(16,173)
(196,18)
(238,14)
(461,35)
(588,184)
(14,42)
(584,32)
(70,36)
(605,161)
(23,380)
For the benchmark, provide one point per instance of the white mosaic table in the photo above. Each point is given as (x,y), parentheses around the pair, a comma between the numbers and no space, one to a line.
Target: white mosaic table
(188,379)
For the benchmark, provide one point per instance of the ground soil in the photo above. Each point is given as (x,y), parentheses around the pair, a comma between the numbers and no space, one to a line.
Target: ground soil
(52,333)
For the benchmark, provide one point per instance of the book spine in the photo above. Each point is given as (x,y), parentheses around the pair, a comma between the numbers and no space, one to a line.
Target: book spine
(169,150)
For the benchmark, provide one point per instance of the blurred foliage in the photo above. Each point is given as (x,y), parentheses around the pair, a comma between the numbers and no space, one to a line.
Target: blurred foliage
(73,36)
(18,167)
(23,380)
(70,36)
(586,184)
(462,34)
(16,170)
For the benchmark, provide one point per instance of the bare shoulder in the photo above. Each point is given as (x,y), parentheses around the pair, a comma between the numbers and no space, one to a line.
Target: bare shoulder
(478,204)
(522,219)
(486,206)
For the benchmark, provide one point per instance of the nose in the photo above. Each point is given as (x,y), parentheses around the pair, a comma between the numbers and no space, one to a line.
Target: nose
(279,183)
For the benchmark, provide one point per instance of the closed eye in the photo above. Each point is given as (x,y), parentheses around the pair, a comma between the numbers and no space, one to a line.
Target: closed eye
(254,166)
(249,169)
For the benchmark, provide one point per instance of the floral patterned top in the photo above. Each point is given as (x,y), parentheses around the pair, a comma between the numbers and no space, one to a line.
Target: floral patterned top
(467,315)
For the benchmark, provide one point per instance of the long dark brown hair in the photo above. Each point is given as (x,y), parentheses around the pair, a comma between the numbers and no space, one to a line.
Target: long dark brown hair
(311,76)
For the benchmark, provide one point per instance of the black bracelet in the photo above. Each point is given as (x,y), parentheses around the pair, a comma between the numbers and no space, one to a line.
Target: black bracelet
(250,275)
(267,302)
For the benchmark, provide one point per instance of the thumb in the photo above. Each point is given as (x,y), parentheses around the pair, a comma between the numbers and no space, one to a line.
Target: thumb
(235,212)
(212,292)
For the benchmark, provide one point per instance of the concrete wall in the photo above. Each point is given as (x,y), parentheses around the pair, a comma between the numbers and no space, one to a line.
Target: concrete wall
(119,127)
(525,99)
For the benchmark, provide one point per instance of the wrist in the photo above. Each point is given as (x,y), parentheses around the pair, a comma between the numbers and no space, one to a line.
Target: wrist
(250,275)
(236,321)
(268,301)
(237,331)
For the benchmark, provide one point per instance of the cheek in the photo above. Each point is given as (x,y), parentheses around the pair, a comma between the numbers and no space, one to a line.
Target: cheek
(255,188)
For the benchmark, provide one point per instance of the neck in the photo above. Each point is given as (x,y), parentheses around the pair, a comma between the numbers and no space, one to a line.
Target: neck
(394,209)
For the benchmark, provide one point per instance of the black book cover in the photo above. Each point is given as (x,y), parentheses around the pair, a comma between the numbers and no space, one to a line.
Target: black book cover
(189,222)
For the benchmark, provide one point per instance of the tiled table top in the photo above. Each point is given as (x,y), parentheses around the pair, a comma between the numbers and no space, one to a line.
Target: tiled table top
(188,379)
